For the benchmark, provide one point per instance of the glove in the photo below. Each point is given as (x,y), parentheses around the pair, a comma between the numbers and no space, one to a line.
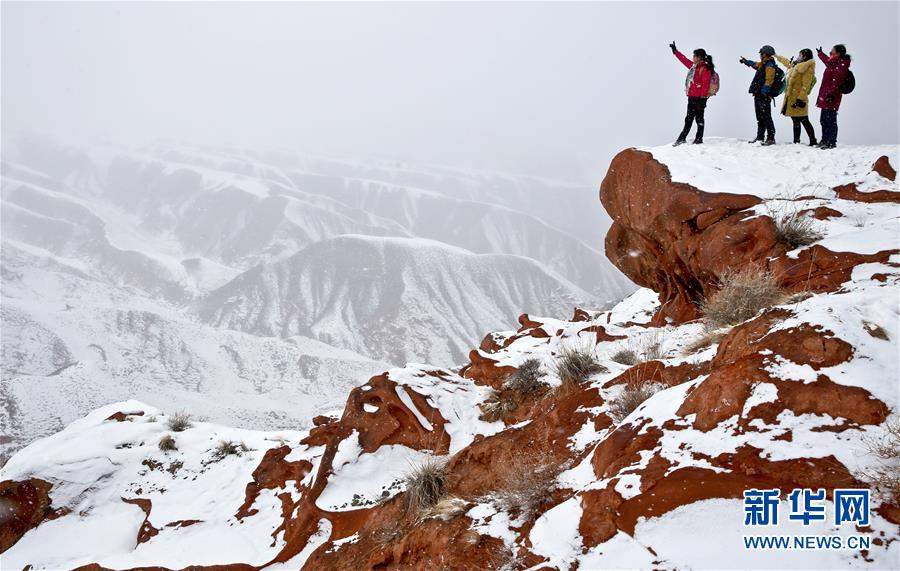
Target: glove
(829,98)
(765,90)
(819,49)
(743,60)
(674,49)
(799,104)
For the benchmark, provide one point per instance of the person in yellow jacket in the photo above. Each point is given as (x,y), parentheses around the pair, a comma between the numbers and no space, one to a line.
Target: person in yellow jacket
(801,78)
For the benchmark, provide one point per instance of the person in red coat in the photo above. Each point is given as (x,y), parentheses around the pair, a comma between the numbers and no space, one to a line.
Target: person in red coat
(837,66)
(697,88)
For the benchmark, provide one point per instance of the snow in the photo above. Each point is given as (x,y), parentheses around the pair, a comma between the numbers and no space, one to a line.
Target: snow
(555,533)
(682,538)
(91,472)
(404,398)
(94,463)
(110,261)
(368,478)
(783,171)
(455,397)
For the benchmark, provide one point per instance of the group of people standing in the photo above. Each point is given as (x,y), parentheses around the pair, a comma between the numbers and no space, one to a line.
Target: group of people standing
(769,82)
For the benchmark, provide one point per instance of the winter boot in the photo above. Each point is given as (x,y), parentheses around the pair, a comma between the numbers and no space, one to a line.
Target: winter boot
(698,141)
(768,142)
(679,142)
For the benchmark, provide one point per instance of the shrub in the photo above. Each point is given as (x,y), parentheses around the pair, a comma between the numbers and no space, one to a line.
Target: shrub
(625,356)
(795,229)
(527,378)
(630,398)
(229,448)
(651,347)
(639,349)
(527,483)
(576,363)
(885,476)
(741,296)
(425,485)
(167,443)
(179,422)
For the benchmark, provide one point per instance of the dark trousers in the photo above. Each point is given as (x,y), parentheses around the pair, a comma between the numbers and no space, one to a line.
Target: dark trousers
(807,126)
(695,108)
(828,119)
(765,127)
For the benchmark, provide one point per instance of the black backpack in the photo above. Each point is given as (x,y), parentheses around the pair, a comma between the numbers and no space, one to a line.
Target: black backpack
(778,84)
(849,83)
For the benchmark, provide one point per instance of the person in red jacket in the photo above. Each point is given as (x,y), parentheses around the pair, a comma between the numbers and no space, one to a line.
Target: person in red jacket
(837,67)
(697,89)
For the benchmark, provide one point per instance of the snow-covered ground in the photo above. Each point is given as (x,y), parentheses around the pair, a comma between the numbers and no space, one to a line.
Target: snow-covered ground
(195,495)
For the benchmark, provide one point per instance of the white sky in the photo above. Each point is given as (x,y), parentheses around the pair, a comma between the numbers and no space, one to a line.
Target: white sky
(552,89)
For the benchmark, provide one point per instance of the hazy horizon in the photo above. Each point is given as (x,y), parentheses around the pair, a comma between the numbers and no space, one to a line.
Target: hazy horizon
(546,89)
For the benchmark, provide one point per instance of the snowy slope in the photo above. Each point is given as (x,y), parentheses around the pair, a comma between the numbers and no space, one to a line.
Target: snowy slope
(107,252)
(387,297)
(658,487)
(71,343)
(97,464)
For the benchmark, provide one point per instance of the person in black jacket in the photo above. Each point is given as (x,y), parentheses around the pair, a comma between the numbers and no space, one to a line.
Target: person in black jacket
(761,89)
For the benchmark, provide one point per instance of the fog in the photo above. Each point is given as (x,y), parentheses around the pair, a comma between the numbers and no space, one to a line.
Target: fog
(549,89)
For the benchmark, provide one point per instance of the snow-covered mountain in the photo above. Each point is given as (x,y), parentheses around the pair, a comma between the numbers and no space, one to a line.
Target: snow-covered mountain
(385,297)
(108,253)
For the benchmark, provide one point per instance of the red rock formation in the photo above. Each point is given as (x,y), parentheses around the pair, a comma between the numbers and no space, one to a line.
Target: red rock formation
(23,505)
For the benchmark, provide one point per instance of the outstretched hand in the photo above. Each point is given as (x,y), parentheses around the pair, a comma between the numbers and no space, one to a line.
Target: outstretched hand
(743,59)
(674,49)
(819,49)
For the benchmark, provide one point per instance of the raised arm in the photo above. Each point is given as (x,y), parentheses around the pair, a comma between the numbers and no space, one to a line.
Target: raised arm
(784,61)
(822,55)
(683,59)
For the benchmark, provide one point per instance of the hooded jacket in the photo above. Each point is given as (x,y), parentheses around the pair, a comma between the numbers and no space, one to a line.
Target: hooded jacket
(801,77)
(836,70)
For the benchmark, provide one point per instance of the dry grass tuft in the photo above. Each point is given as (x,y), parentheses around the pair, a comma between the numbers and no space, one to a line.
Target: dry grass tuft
(630,398)
(167,443)
(229,448)
(575,363)
(885,476)
(795,230)
(640,349)
(527,378)
(496,408)
(625,356)
(180,421)
(527,484)
(425,485)
(741,296)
